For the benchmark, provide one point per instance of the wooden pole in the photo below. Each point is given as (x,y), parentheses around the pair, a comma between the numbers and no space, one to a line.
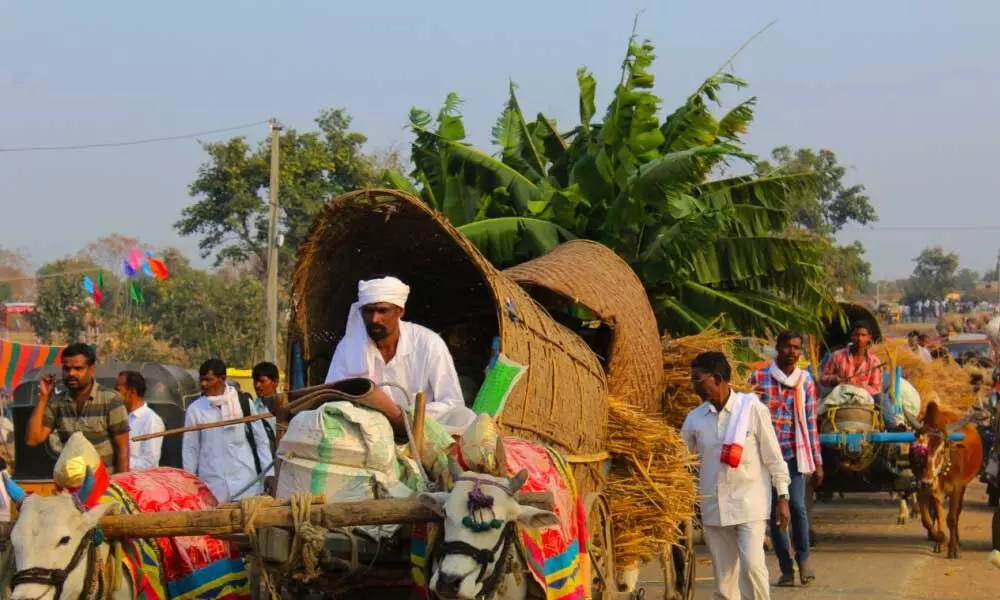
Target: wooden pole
(275,502)
(225,522)
(419,415)
(273,224)
(201,426)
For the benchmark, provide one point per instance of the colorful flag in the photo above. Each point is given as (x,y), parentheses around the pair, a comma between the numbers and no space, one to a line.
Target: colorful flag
(100,280)
(135,292)
(93,290)
(16,359)
(158,268)
(127,269)
(135,259)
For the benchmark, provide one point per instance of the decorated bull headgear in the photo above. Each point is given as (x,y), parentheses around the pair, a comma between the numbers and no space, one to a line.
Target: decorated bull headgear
(481,516)
(84,495)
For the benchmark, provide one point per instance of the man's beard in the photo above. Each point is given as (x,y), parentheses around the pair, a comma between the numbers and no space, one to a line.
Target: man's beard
(75,384)
(376,332)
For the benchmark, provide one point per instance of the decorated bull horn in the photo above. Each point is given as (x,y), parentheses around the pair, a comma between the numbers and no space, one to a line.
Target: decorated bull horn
(501,458)
(454,468)
(86,488)
(17,495)
(517,481)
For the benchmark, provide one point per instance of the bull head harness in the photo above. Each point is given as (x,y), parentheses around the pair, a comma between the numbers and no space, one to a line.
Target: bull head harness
(497,555)
(56,578)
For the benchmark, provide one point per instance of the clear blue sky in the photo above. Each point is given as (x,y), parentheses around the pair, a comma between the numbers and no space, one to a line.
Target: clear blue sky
(904,91)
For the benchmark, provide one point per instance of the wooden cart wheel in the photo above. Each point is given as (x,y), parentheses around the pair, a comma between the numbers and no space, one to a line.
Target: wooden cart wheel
(601,549)
(685,561)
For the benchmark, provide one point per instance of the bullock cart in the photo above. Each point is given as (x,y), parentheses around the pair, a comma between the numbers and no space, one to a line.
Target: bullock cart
(587,379)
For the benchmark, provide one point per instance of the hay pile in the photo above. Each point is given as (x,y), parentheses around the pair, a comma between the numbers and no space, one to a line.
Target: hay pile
(943,380)
(678,395)
(651,487)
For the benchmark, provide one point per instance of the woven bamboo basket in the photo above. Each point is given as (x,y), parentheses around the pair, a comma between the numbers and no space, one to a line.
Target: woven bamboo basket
(591,274)
(563,398)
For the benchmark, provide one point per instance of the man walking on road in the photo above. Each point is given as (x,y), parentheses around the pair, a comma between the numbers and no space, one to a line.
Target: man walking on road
(740,460)
(790,394)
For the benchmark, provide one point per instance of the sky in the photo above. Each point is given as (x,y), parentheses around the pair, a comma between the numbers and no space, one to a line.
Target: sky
(903,91)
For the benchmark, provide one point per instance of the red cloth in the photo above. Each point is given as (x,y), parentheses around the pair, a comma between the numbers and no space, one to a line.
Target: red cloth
(165,489)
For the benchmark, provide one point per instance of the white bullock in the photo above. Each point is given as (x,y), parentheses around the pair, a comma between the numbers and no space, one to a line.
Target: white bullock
(57,546)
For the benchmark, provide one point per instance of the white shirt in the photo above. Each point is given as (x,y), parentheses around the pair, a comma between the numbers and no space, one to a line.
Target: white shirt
(144,454)
(924,354)
(422,364)
(221,456)
(733,496)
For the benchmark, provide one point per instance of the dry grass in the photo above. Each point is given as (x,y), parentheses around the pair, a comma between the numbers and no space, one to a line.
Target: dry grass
(943,380)
(678,395)
(652,486)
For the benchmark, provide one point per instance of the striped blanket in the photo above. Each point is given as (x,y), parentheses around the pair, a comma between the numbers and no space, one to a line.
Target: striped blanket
(16,359)
(178,567)
(555,556)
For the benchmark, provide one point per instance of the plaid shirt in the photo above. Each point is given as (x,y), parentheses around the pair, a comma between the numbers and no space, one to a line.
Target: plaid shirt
(781,401)
(103,417)
(867,375)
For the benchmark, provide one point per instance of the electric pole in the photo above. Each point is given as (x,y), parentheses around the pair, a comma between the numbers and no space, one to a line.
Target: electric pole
(271,333)
(998,279)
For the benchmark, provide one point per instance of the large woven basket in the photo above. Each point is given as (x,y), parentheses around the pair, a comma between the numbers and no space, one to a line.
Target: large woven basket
(562,399)
(592,274)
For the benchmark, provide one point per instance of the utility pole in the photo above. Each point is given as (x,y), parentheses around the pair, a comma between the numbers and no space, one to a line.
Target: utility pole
(998,279)
(271,333)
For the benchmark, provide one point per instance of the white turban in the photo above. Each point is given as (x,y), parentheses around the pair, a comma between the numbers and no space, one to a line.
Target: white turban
(386,289)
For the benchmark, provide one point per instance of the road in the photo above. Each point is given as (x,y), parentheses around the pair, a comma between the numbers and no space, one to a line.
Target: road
(862,554)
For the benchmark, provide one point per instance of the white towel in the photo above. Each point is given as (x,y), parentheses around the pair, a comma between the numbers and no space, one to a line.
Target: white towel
(803,449)
(228,402)
(736,431)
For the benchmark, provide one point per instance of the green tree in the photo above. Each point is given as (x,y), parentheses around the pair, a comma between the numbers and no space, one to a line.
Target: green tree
(206,314)
(703,246)
(14,281)
(933,275)
(61,303)
(829,205)
(966,279)
(230,213)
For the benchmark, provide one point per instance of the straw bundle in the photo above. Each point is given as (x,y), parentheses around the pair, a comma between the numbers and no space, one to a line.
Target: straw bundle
(944,379)
(651,487)
(678,395)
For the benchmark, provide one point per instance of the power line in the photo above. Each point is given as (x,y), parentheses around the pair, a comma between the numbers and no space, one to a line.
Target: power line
(932,228)
(169,138)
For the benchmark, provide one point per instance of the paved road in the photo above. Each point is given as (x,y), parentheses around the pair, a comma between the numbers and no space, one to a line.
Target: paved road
(863,554)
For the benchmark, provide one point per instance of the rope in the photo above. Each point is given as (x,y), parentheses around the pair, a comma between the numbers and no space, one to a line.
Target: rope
(307,546)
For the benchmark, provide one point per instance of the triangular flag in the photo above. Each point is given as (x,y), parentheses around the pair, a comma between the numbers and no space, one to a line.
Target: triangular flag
(98,296)
(158,268)
(88,284)
(145,268)
(127,269)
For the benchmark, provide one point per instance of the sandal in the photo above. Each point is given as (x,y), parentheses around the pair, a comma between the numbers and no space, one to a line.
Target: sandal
(786,580)
(806,575)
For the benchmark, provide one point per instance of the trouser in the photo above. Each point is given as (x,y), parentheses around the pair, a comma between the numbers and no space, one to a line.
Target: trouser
(738,564)
(799,524)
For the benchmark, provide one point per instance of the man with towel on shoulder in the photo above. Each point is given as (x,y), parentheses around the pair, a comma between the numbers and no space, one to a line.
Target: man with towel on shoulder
(790,395)
(380,346)
(740,460)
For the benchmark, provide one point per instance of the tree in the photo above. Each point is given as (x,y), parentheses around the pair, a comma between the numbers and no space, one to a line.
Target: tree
(829,204)
(934,274)
(703,247)
(14,281)
(966,279)
(231,189)
(61,303)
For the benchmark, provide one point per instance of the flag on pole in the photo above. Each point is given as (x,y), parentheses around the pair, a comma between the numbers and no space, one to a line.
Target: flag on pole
(100,280)
(135,259)
(128,269)
(94,291)
(157,267)
(135,292)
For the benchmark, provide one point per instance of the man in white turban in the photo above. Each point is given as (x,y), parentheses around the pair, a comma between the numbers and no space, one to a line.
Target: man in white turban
(382,347)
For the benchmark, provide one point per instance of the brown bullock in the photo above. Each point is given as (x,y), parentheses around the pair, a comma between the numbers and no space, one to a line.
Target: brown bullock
(943,469)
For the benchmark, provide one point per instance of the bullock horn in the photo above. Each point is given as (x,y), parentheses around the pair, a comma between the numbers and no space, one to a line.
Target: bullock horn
(16,493)
(953,427)
(517,481)
(86,488)
(914,423)
(501,458)
(454,468)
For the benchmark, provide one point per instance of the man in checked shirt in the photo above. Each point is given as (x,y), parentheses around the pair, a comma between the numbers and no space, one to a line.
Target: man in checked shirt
(857,365)
(790,393)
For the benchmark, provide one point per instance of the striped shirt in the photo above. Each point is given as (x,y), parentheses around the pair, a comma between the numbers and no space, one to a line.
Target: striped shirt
(781,402)
(103,417)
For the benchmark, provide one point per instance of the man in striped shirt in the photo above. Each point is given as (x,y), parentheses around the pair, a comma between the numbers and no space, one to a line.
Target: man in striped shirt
(85,406)
(790,394)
